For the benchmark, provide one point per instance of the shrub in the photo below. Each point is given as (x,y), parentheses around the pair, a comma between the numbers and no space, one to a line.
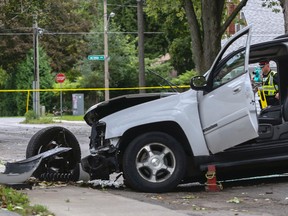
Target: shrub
(29,116)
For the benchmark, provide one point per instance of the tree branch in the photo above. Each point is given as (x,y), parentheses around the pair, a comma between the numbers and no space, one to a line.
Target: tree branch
(232,16)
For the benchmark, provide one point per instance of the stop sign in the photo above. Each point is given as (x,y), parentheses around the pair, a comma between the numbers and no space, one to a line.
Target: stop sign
(60,77)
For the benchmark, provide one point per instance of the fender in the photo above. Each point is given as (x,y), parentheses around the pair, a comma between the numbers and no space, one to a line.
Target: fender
(180,108)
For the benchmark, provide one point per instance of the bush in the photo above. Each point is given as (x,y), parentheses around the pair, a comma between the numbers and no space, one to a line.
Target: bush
(29,116)
(15,201)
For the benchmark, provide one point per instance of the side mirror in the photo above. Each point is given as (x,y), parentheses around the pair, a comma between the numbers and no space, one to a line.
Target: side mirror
(198,83)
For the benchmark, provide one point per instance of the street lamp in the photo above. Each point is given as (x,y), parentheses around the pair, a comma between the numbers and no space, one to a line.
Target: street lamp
(106,57)
(111,15)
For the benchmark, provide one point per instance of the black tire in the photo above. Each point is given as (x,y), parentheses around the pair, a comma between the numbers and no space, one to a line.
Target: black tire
(49,138)
(154,152)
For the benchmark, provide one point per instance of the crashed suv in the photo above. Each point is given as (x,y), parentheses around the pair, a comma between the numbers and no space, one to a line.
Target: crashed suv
(158,141)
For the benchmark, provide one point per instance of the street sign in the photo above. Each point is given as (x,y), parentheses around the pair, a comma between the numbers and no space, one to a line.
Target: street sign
(96,57)
(60,77)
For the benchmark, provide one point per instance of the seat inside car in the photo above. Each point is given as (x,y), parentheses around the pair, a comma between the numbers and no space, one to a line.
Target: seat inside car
(274,115)
(271,115)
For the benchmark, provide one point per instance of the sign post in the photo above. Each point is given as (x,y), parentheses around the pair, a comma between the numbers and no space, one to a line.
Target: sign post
(60,78)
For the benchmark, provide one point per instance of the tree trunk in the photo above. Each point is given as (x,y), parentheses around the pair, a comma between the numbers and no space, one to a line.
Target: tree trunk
(284,5)
(211,19)
(196,39)
(206,32)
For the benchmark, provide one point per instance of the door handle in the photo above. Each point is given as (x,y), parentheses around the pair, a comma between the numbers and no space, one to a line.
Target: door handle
(237,90)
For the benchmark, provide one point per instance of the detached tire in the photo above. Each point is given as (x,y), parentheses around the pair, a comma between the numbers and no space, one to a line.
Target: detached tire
(49,138)
(154,162)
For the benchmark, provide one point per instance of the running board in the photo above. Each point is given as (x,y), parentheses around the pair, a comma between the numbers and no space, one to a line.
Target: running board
(204,167)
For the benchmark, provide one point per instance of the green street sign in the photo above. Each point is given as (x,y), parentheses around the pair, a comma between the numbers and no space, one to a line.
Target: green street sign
(96,57)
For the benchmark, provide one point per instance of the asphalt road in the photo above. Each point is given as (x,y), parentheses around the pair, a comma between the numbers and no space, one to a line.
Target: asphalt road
(263,197)
(14,136)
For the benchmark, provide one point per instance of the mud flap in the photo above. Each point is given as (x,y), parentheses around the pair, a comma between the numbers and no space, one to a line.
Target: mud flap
(18,172)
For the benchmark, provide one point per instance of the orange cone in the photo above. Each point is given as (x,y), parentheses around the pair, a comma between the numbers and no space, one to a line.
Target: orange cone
(211,184)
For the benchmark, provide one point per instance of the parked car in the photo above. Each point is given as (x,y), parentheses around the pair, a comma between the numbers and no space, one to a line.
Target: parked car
(159,141)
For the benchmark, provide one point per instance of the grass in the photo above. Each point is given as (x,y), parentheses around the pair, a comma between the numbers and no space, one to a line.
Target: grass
(16,201)
(30,118)
(71,118)
(42,120)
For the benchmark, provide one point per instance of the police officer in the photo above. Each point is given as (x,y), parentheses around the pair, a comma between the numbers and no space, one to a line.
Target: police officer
(270,83)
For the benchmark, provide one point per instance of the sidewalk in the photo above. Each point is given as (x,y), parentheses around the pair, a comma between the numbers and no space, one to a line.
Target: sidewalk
(75,201)
(7,213)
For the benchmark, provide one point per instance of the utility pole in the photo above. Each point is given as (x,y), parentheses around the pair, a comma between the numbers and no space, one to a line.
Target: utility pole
(106,69)
(140,21)
(36,86)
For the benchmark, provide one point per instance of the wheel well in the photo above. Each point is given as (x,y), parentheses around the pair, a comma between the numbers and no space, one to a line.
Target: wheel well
(169,127)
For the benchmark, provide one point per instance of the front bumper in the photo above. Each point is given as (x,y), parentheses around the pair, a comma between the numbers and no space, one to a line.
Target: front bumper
(103,159)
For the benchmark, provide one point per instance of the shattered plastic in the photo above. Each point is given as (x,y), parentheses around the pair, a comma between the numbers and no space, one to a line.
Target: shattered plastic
(20,171)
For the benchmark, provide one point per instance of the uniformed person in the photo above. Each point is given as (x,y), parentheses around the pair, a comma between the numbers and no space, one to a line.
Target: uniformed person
(270,84)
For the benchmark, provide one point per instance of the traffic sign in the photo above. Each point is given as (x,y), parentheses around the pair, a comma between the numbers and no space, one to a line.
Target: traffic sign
(60,77)
(96,57)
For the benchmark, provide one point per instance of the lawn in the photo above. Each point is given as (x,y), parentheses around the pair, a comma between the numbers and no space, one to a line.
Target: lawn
(71,118)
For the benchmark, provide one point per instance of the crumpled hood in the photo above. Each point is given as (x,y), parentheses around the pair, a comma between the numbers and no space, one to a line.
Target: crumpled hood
(113,105)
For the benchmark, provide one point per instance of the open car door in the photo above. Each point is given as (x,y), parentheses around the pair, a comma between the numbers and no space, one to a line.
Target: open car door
(227,107)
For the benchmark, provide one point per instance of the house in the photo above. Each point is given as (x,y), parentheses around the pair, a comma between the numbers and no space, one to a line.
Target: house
(266,24)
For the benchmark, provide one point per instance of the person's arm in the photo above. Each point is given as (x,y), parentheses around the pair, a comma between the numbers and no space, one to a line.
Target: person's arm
(276,85)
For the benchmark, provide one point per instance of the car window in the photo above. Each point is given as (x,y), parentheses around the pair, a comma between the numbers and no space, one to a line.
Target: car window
(231,69)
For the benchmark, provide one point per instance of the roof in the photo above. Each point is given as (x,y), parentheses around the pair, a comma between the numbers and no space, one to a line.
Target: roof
(266,24)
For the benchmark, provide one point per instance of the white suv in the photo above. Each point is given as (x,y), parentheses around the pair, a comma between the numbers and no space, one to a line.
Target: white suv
(161,140)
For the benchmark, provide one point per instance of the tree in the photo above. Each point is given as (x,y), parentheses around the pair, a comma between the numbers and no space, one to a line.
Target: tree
(273,5)
(3,96)
(122,61)
(3,78)
(57,19)
(284,5)
(24,78)
(181,54)
(207,22)
(163,30)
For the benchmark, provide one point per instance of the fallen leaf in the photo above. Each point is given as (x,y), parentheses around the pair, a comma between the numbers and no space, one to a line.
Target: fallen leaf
(156,197)
(189,197)
(198,208)
(18,207)
(234,200)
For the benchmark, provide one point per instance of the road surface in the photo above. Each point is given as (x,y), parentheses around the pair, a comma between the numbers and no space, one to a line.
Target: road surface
(263,197)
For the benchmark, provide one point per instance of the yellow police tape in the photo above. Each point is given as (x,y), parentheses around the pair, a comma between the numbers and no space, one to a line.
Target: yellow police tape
(86,89)
(92,89)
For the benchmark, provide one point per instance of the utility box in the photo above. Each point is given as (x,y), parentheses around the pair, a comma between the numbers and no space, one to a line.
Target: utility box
(78,104)
(42,111)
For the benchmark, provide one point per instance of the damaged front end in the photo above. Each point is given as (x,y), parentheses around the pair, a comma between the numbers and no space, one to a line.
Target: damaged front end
(103,158)
(54,154)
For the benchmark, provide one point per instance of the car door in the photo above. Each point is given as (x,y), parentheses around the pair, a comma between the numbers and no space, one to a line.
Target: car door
(227,109)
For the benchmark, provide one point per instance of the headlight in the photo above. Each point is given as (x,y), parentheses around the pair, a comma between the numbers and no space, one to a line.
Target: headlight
(97,138)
